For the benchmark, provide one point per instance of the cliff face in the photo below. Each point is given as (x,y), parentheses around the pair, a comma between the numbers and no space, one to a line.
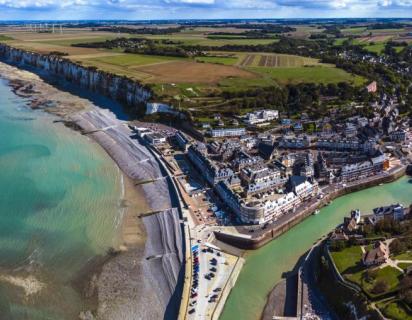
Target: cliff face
(118,88)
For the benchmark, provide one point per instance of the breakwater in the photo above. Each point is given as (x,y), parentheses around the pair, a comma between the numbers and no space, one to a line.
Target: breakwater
(262,237)
(118,88)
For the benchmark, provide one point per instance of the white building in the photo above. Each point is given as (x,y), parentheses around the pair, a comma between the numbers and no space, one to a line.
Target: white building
(231,132)
(261,116)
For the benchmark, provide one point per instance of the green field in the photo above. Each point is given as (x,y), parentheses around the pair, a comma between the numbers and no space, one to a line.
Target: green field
(404,256)
(347,258)
(125,64)
(376,48)
(389,274)
(404,266)
(203,40)
(356,30)
(315,74)
(132,60)
(69,42)
(5,38)
(348,262)
(394,310)
(339,41)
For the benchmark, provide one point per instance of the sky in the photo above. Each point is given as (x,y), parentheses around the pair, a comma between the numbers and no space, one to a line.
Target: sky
(200,9)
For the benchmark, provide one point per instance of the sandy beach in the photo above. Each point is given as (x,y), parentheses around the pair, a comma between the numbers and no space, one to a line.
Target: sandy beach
(120,285)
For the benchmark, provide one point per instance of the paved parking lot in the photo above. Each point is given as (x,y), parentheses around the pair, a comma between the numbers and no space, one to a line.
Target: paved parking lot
(211,271)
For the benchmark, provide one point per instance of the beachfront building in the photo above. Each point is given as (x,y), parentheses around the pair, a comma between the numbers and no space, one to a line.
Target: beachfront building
(356,171)
(211,171)
(266,207)
(230,132)
(155,138)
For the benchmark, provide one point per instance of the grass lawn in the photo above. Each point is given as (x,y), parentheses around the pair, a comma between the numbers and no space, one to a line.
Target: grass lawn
(389,274)
(403,256)
(394,310)
(69,42)
(314,74)
(347,258)
(348,262)
(375,48)
(404,266)
(339,41)
(5,38)
(219,60)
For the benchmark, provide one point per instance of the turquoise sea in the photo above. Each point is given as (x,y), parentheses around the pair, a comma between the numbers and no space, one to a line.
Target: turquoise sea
(59,208)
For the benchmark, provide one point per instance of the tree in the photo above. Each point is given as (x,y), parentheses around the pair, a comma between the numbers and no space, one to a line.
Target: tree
(397,247)
(380,286)
(338,245)
(405,289)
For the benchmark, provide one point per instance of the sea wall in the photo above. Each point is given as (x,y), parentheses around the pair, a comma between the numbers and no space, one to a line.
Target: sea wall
(260,239)
(118,88)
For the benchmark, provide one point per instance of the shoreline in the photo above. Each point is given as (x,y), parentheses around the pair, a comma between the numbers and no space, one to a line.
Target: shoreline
(102,282)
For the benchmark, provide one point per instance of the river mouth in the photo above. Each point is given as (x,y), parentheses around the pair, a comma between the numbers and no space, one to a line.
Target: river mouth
(59,210)
(265,267)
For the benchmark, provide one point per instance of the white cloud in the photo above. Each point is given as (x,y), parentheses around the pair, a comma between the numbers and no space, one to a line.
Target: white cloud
(153,9)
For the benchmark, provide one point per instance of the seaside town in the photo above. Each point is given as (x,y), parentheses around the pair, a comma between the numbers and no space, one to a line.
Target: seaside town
(243,187)
(234,143)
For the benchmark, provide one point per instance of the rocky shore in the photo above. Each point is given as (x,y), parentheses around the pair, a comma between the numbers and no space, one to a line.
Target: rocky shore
(126,284)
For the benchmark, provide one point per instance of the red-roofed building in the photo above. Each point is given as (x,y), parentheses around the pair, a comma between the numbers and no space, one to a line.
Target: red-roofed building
(372,87)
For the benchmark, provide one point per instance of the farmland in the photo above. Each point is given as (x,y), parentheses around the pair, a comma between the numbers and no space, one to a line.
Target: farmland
(203,40)
(374,40)
(276,61)
(198,83)
(188,71)
(316,74)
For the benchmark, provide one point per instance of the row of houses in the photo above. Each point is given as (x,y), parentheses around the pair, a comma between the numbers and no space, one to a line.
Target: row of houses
(354,144)
(360,170)
(268,207)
